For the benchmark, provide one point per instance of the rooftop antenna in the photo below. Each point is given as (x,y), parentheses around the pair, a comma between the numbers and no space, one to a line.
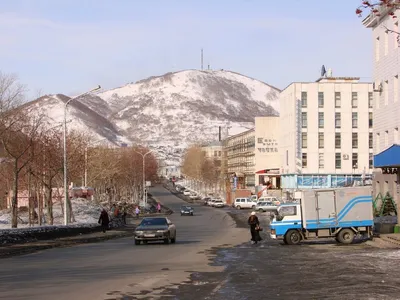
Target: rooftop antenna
(323,71)
(201,58)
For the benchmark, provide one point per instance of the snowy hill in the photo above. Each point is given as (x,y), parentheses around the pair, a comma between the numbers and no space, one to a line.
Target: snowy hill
(171,111)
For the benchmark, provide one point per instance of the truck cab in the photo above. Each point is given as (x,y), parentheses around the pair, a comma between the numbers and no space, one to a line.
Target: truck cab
(340,213)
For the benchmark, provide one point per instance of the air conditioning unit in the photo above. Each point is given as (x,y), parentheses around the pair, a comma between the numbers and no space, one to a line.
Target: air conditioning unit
(345,156)
(378,87)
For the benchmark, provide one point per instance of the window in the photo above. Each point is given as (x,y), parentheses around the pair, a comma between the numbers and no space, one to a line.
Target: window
(288,211)
(304,99)
(320,120)
(396,135)
(338,120)
(321,163)
(370,119)
(385,92)
(304,160)
(219,153)
(338,99)
(338,140)
(354,120)
(370,99)
(377,45)
(354,99)
(304,120)
(354,140)
(386,138)
(386,42)
(320,99)
(338,161)
(377,142)
(320,140)
(396,88)
(371,140)
(354,160)
(304,140)
(371,161)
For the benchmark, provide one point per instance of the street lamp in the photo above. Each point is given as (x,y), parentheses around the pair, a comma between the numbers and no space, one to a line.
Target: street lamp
(66,194)
(144,174)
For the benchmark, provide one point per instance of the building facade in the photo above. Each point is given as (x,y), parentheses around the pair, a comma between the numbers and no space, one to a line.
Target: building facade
(327,136)
(213,150)
(386,71)
(267,155)
(240,159)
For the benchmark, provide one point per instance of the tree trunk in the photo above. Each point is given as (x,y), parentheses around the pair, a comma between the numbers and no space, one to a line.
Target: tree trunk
(49,201)
(14,202)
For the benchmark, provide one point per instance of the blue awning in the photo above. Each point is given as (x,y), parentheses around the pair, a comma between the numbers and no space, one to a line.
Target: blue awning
(389,158)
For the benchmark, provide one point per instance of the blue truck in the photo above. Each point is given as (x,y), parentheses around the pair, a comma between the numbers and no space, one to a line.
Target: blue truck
(341,213)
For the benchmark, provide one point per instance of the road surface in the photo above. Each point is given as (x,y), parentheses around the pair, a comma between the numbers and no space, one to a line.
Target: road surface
(118,269)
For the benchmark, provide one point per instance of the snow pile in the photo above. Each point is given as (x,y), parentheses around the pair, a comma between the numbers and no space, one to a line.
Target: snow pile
(85,212)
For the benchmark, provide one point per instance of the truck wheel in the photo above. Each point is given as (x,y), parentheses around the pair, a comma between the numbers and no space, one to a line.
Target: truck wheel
(345,236)
(292,237)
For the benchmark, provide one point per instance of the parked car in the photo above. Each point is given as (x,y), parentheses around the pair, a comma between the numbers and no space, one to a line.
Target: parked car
(266,206)
(187,210)
(272,199)
(218,203)
(211,202)
(155,229)
(206,199)
(244,203)
(186,192)
(194,196)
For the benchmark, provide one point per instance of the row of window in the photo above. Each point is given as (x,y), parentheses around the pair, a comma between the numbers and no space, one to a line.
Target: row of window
(338,140)
(338,99)
(386,41)
(338,160)
(338,120)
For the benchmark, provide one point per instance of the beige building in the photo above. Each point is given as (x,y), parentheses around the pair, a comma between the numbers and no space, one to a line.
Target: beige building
(326,138)
(267,156)
(240,159)
(213,150)
(386,72)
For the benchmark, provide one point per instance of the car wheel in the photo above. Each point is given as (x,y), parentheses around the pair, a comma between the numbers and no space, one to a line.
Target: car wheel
(173,240)
(260,210)
(181,214)
(253,207)
(191,214)
(238,207)
(137,242)
(166,241)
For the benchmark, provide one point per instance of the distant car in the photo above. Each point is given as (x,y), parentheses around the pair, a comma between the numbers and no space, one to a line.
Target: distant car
(187,210)
(193,196)
(155,229)
(186,192)
(206,199)
(266,206)
(218,203)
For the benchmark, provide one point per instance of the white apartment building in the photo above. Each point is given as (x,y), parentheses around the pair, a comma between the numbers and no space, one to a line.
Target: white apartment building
(386,73)
(326,135)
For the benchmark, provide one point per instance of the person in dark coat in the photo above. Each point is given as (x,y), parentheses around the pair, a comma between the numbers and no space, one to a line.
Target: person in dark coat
(104,220)
(254,224)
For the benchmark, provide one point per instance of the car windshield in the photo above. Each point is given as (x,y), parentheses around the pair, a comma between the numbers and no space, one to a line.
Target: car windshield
(186,207)
(219,201)
(153,222)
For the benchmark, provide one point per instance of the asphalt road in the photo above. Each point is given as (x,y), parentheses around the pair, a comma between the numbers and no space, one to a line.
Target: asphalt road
(118,269)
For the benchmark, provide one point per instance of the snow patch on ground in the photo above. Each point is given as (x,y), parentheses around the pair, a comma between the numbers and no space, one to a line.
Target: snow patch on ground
(85,212)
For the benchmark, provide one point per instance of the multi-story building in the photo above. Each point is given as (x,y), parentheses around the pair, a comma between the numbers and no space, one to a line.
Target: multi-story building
(267,155)
(326,139)
(213,150)
(386,71)
(240,159)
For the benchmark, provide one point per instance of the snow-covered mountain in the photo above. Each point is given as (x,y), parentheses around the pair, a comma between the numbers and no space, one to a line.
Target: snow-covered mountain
(168,112)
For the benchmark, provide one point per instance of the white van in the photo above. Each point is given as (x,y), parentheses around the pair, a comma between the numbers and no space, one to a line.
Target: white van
(244,203)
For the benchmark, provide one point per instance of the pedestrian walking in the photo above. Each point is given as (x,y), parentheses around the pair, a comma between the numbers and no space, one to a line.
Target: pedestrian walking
(255,228)
(137,212)
(104,220)
(158,207)
(124,213)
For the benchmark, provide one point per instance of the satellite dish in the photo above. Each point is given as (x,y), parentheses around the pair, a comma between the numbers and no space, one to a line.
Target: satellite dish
(323,71)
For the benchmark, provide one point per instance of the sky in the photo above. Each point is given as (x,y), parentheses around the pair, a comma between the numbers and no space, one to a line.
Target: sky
(71,46)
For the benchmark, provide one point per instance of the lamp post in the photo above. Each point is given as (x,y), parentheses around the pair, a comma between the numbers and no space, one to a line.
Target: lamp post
(86,160)
(66,194)
(144,175)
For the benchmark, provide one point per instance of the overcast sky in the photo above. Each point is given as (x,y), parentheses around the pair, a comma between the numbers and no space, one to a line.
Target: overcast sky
(70,46)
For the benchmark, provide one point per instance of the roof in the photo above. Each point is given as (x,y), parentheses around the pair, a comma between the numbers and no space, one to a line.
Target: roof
(388,158)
